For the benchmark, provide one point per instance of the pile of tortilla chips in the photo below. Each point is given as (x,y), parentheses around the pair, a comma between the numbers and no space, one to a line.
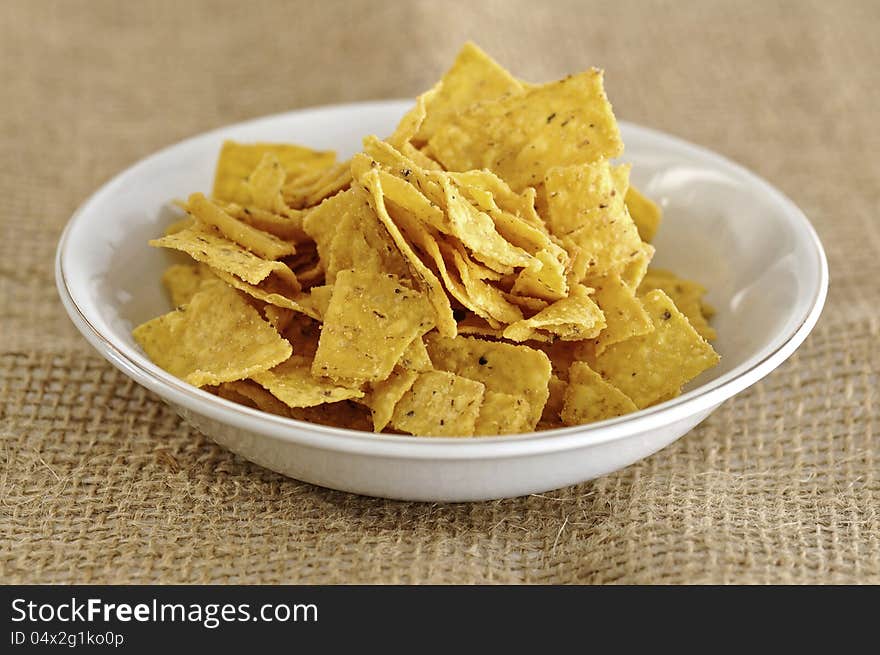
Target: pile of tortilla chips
(482,271)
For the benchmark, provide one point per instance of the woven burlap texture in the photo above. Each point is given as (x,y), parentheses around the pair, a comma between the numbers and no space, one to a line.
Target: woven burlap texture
(101,482)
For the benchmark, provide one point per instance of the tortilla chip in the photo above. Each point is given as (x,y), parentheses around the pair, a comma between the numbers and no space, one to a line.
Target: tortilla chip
(439,404)
(506,368)
(367,310)
(253,395)
(651,366)
(385,394)
(589,398)
(520,137)
(207,246)
(555,401)
(279,317)
(502,413)
(543,277)
(265,184)
(586,210)
(473,77)
(415,357)
(238,160)
(217,337)
(426,278)
(625,317)
(272,291)
(645,213)
(310,190)
(182,281)
(260,243)
(293,384)
(484,298)
(571,319)
(687,296)
(635,269)
(287,226)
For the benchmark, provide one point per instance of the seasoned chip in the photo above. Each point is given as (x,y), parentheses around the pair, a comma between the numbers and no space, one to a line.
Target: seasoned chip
(183,281)
(520,137)
(273,291)
(483,297)
(415,357)
(429,282)
(255,395)
(412,121)
(260,243)
(287,226)
(385,394)
(543,277)
(589,398)
(651,366)
(637,266)
(502,413)
(645,213)
(309,190)
(506,368)
(686,295)
(238,160)
(205,245)
(555,401)
(216,337)
(371,320)
(350,236)
(625,317)
(571,319)
(439,404)
(265,184)
(586,210)
(279,317)
(293,384)
(473,77)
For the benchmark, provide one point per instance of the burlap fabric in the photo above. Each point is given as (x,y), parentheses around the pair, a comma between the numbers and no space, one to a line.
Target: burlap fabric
(100,481)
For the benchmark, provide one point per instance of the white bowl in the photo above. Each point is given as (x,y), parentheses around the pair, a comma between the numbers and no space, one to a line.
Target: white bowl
(751,246)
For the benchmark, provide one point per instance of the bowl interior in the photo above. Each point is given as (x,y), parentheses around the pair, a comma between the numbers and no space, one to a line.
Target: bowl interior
(722,227)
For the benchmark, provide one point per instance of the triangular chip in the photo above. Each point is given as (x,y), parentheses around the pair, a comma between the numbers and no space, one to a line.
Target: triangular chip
(650,367)
(370,322)
(473,77)
(216,337)
(238,160)
(589,398)
(385,394)
(516,370)
(262,244)
(273,291)
(571,319)
(502,413)
(520,137)
(439,404)
(183,281)
(293,384)
(687,296)
(645,213)
(586,209)
(625,317)
(207,246)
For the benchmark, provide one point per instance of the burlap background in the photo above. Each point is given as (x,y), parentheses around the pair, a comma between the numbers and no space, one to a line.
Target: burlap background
(100,482)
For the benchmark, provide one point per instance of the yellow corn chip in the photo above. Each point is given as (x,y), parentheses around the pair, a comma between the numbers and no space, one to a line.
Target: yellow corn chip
(473,77)
(415,357)
(483,298)
(637,266)
(279,317)
(502,413)
(238,160)
(309,190)
(506,368)
(293,384)
(273,291)
(571,319)
(439,404)
(645,213)
(555,401)
(370,322)
(216,337)
(543,277)
(412,121)
(183,281)
(287,226)
(265,184)
(205,245)
(252,394)
(260,243)
(625,317)
(585,209)
(385,394)
(686,295)
(651,366)
(476,230)
(589,398)
(429,282)
(303,334)
(520,137)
